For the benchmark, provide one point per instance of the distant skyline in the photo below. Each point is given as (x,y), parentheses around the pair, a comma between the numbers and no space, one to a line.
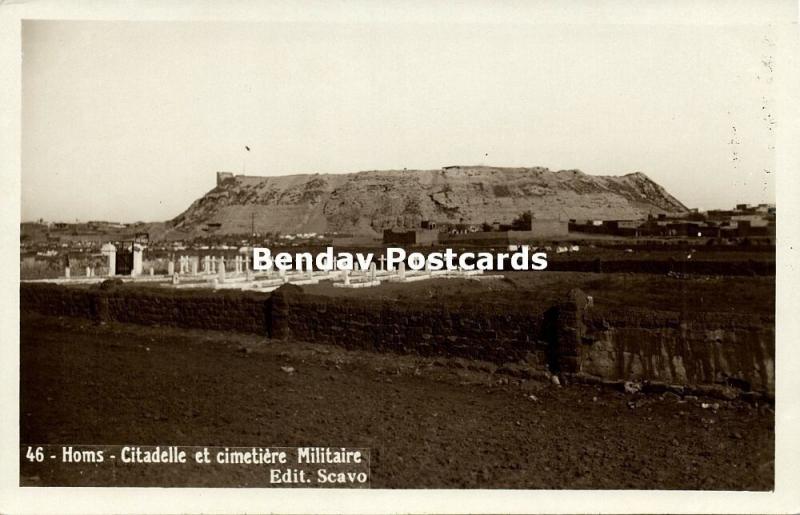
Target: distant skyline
(128,121)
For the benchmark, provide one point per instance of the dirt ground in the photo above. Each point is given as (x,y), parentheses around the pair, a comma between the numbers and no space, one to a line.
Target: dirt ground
(429,423)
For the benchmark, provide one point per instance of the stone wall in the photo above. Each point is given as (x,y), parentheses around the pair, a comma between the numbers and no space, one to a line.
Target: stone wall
(50,299)
(222,311)
(674,348)
(572,338)
(495,333)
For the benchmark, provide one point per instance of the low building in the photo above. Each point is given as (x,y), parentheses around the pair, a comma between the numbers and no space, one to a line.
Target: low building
(412,237)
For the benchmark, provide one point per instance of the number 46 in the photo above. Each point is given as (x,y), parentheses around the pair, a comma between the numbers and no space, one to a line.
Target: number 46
(35,455)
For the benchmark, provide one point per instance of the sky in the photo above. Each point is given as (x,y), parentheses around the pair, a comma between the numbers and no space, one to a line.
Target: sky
(128,121)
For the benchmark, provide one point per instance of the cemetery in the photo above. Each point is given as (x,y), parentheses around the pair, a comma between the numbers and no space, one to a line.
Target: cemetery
(237,273)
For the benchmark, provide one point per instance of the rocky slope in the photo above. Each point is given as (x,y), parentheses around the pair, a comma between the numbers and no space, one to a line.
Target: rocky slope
(368,202)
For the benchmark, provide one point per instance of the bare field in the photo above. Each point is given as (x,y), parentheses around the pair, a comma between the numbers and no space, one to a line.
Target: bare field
(433,423)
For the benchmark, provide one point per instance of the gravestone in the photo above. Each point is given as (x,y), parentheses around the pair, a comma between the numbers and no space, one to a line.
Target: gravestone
(221,273)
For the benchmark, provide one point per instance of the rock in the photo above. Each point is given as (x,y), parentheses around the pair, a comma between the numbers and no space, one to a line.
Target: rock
(554,379)
(288,370)
(632,387)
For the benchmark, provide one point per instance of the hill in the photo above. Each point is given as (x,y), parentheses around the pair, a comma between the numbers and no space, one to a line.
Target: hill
(366,203)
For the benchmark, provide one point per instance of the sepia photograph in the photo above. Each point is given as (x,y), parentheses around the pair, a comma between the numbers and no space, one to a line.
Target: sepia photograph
(370,252)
